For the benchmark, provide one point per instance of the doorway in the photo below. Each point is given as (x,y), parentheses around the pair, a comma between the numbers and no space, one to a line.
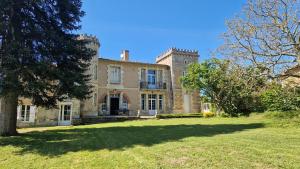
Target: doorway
(65,114)
(187,103)
(114,105)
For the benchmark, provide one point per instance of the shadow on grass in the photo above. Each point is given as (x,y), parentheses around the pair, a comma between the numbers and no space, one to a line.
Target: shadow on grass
(61,141)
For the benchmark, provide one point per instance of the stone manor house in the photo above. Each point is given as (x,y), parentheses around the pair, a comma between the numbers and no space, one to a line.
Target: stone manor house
(123,88)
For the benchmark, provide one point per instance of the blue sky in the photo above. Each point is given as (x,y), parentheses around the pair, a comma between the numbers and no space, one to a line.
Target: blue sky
(149,27)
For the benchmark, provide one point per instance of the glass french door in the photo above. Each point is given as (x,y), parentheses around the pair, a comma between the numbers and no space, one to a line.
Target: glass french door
(65,113)
(152,104)
(151,79)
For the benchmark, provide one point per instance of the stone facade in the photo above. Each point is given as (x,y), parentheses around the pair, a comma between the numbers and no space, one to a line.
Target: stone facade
(124,88)
(291,77)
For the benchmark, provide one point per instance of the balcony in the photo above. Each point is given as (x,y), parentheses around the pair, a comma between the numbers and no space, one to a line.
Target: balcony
(153,86)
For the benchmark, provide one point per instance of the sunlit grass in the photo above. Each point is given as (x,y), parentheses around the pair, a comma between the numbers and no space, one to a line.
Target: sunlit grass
(171,143)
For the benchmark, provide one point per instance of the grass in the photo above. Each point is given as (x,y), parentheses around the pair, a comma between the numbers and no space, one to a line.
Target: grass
(169,143)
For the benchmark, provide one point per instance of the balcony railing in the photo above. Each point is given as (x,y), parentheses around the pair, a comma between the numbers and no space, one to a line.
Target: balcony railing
(157,85)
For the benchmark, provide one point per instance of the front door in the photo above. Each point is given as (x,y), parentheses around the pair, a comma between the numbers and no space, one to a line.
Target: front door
(114,106)
(152,104)
(64,116)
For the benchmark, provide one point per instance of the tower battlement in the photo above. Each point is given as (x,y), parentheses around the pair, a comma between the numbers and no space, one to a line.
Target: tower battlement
(91,38)
(177,51)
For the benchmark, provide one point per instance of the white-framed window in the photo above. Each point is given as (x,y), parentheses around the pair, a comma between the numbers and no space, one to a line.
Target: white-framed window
(152,101)
(25,113)
(183,73)
(115,74)
(143,101)
(160,102)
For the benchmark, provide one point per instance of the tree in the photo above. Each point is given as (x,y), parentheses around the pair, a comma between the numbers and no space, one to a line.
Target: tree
(41,57)
(279,98)
(266,34)
(232,88)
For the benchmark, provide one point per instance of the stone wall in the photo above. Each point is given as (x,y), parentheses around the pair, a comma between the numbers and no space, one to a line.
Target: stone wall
(292,80)
(179,60)
(49,117)
(130,83)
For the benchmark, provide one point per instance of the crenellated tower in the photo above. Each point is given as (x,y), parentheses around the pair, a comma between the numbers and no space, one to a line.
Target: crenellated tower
(179,60)
(90,106)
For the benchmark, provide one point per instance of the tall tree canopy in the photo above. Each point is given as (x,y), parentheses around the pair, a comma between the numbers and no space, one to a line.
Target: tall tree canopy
(232,88)
(41,57)
(266,34)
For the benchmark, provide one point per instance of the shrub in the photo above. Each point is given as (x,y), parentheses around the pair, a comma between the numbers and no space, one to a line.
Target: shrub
(283,115)
(208,114)
(277,98)
(178,115)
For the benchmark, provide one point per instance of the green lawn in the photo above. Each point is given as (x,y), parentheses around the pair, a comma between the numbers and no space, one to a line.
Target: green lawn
(172,143)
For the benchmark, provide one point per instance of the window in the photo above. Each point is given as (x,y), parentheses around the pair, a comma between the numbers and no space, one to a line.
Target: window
(95,72)
(125,104)
(95,99)
(143,101)
(103,107)
(152,101)
(115,74)
(183,73)
(160,102)
(104,104)
(25,113)
(185,62)
(151,79)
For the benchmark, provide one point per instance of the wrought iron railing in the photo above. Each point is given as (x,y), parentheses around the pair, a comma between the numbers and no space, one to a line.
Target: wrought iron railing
(150,85)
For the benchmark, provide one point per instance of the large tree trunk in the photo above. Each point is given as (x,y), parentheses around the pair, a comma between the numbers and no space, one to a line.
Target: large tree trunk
(8,115)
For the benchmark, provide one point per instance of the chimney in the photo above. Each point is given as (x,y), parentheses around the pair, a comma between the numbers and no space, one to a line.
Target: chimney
(125,55)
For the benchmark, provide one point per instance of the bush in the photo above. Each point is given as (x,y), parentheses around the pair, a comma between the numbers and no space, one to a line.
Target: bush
(208,114)
(277,98)
(178,115)
(283,115)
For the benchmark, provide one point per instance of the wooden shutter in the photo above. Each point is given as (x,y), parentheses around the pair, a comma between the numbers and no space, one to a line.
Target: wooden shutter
(32,113)
(143,75)
(19,112)
(159,76)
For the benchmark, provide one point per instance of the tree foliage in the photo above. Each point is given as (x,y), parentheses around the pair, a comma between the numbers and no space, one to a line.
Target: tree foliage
(278,98)
(41,57)
(266,34)
(232,88)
